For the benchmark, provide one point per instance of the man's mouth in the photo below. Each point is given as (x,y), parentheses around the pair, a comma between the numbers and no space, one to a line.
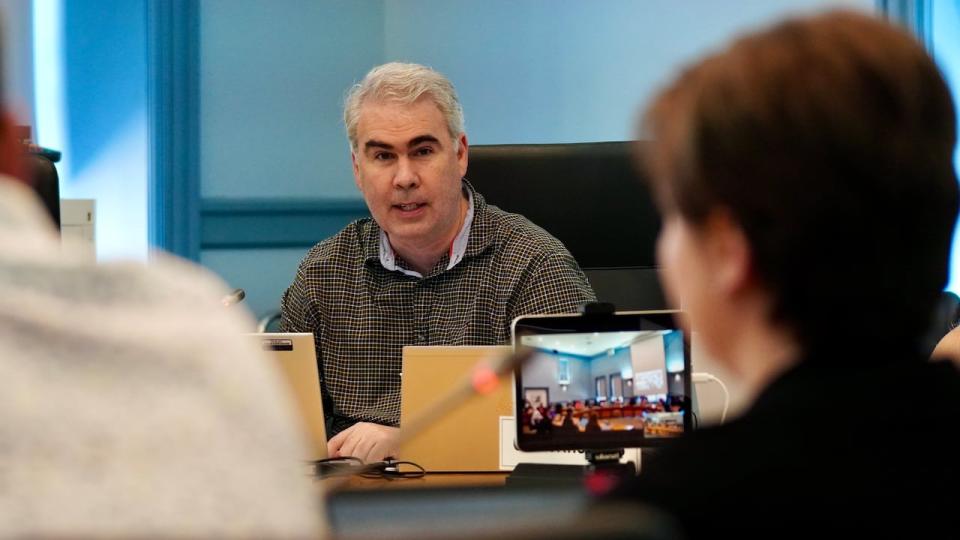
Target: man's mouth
(409,207)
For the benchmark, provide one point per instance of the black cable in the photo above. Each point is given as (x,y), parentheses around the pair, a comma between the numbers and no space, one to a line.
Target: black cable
(341,466)
(347,465)
(391,470)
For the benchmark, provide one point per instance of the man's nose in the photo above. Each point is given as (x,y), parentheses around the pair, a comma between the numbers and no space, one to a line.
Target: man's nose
(406,176)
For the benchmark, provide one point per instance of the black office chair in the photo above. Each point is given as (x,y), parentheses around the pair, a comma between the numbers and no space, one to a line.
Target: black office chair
(41,172)
(42,175)
(592,198)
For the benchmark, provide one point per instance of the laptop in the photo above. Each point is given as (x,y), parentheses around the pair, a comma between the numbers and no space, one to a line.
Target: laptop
(467,438)
(295,356)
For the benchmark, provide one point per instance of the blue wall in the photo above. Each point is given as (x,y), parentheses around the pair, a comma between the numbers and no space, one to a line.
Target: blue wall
(90,74)
(546,71)
(236,266)
(17,23)
(272,80)
(673,351)
(105,57)
(946,49)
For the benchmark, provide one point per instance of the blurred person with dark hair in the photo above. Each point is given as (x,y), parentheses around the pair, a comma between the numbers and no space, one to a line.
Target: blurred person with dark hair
(805,176)
(568,423)
(593,423)
(132,405)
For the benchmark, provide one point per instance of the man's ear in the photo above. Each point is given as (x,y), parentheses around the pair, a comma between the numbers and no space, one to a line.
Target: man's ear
(730,253)
(356,170)
(463,152)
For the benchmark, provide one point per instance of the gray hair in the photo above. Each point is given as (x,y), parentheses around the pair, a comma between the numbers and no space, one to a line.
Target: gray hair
(403,83)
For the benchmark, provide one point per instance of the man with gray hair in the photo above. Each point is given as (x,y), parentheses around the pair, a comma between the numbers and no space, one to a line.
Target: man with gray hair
(436,265)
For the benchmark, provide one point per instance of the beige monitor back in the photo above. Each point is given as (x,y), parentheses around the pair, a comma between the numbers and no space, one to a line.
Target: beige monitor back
(296,359)
(466,439)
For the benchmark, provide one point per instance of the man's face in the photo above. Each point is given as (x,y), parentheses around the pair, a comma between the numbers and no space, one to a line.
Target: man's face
(409,168)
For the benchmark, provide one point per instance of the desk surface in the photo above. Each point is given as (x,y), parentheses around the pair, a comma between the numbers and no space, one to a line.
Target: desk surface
(480,506)
(430,480)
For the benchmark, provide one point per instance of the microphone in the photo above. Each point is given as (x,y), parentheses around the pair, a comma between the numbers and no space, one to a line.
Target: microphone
(233,298)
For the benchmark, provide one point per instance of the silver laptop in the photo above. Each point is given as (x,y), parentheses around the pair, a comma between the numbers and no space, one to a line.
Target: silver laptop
(296,360)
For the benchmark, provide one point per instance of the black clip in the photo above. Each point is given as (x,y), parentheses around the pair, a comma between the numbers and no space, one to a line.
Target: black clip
(597,308)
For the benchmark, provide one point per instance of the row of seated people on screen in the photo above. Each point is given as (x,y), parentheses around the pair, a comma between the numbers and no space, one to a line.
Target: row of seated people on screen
(659,417)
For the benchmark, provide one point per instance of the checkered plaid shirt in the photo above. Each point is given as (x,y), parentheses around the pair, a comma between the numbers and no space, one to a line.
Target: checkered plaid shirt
(363,314)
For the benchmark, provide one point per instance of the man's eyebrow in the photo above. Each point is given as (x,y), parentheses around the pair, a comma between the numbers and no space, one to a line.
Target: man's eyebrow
(372,143)
(422,139)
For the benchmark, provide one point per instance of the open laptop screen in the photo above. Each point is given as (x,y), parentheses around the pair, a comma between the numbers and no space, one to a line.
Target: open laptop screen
(602,381)
(295,358)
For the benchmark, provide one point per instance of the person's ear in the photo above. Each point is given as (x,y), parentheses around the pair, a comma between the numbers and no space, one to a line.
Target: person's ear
(731,256)
(463,152)
(356,170)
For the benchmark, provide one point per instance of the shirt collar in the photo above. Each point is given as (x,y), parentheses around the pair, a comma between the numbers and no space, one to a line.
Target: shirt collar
(388,258)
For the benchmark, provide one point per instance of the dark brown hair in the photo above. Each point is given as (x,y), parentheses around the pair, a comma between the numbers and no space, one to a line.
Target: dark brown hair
(830,140)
